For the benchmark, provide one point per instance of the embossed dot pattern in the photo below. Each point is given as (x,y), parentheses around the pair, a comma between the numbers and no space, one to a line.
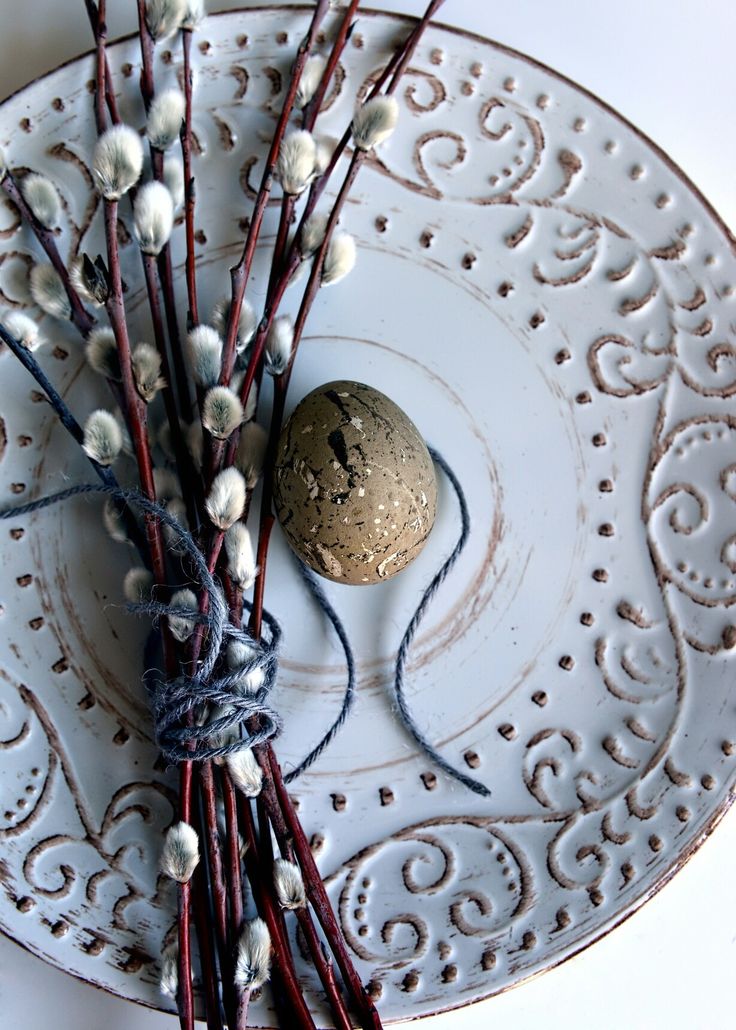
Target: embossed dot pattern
(583,268)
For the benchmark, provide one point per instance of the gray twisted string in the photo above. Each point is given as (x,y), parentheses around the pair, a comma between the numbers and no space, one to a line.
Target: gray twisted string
(349,696)
(172,701)
(400,698)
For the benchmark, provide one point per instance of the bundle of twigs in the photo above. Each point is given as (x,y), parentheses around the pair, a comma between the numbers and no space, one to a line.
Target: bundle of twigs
(216,455)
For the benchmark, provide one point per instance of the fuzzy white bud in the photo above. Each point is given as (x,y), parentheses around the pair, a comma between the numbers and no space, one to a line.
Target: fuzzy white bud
(245,772)
(182,627)
(279,343)
(241,560)
(310,80)
(204,347)
(164,17)
(166,484)
(374,121)
(195,442)
(153,217)
(247,323)
(117,161)
(174,180)
(3,165)
(48,291)
(339,259)
(194,12)
(253,959)
(101,352)
(295,164)
(238,655)
(222,412)
(180,853)
(323,153)
(169,980)
(313,234)
(146,362)
(42,198)
(165,117)
(137,584)
(289,884)
(23,329)
(103,440)
(114,522)
(226,500)
(251,452)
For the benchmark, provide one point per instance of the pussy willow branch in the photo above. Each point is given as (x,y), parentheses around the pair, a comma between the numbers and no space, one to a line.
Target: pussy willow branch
(189,185)
(218,886)
(289,833)
(191,488)
(164,264)
(309,117)
(240,273)
(269,913)
(136,407)
(276,797)
(79,316)
(69,422)
(100,32)
(137,424)
(147,48)
(198,893)
(393,72)
(219,890)
(313,107)
(205,777)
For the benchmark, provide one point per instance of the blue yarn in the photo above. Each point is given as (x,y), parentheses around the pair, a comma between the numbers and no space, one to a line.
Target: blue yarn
(401,703)
(173,701)
(349,696)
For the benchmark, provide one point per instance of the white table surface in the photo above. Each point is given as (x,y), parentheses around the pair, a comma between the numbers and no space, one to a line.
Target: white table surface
(668,66)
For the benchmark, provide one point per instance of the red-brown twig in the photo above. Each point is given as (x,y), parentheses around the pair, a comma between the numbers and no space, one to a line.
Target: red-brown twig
(147,48)
(104,78)
(218,888)
(204,938)
(239,274)
(234,879)
(393,72)
(189,187)
(136,411)
(206,778)
(289,833)
(164,264)
(136,407)
(192,490)
(280,810)
(79,316)
(268,911)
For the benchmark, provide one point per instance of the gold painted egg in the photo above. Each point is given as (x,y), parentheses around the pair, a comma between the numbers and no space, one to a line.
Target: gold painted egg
(354,485)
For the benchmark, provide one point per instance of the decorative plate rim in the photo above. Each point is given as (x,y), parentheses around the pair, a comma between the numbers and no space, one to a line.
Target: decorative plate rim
(682,857)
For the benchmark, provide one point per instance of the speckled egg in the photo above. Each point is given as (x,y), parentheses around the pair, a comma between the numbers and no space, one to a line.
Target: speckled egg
(354,485)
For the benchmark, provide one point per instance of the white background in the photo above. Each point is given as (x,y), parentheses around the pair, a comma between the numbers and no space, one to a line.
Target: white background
(668,66)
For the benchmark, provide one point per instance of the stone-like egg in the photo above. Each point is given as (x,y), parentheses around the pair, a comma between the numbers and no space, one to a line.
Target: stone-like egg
(354,486)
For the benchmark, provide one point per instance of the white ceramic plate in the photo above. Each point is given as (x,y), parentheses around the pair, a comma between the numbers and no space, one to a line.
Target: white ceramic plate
(552,303)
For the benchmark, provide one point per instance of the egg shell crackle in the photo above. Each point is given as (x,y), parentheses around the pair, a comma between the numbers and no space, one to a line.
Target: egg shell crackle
(354,485)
